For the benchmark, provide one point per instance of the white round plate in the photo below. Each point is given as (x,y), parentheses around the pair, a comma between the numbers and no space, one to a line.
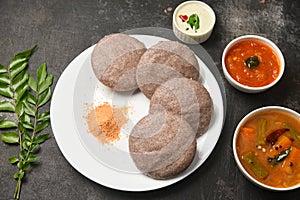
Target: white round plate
(110,164)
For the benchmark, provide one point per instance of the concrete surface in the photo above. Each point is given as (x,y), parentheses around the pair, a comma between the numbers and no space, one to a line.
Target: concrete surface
(63,29)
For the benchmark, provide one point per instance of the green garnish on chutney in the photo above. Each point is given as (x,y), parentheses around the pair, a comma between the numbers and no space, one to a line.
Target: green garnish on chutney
(194,21)
(252,62)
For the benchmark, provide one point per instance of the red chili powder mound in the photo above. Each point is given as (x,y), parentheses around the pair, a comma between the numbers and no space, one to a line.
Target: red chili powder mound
(105,122)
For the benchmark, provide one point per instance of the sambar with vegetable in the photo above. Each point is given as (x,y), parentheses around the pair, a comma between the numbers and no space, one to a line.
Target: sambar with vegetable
(268,147)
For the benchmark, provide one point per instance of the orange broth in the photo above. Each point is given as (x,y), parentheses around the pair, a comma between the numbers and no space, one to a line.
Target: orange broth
(263,74)
(285,173)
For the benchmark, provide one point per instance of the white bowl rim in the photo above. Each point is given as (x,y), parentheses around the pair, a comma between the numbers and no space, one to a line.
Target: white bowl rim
(211,11)
(238,162)
(270,44)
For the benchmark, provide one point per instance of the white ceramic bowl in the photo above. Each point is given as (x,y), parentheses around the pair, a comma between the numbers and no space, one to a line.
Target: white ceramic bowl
(245,88)
(207,22)
(238,162)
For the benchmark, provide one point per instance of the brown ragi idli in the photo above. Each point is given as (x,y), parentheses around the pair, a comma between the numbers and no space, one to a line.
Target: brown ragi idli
(163,61)
(114,61)
(187,98)
(162,145)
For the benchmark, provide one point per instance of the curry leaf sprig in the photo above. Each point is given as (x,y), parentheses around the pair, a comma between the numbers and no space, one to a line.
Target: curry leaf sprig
(24,96)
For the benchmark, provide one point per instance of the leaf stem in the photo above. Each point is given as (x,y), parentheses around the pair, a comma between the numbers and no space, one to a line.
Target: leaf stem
(33,131)
(18,188)
(35,117)
(20,178)
(20,139)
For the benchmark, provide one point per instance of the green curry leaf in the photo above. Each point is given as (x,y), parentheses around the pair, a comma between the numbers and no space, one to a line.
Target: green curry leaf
(252,62)
(7,106)
(10,137)
(280,157)
(7,124)
(194,21)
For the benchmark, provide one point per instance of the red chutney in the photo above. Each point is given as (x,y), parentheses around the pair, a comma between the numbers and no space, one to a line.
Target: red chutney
(263,74)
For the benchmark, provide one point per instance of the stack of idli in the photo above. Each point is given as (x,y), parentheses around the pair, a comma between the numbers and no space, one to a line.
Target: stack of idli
(163,143)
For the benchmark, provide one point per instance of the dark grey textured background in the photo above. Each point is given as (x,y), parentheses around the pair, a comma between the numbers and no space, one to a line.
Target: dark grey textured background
(63,29)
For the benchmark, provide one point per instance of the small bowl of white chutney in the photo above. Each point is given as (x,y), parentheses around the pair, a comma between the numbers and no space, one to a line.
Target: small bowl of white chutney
(193,22)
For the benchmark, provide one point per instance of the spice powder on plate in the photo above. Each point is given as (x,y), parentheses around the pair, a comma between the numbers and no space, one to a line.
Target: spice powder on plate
(105,122)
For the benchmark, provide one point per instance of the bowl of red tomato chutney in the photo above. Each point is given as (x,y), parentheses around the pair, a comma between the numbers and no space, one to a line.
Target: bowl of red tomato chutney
(252,63)
(266,148)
